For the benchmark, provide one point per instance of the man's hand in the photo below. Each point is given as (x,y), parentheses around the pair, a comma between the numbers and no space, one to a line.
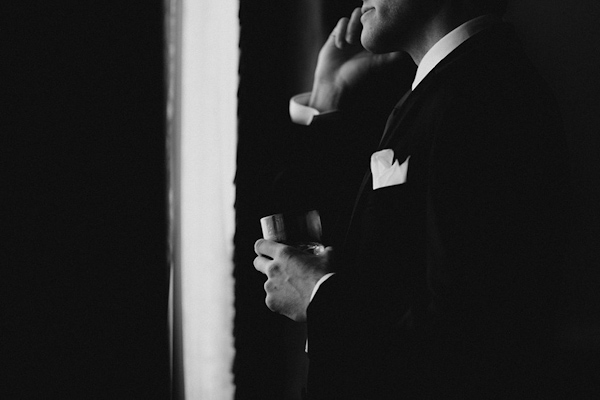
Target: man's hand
(343,63)
(291,276)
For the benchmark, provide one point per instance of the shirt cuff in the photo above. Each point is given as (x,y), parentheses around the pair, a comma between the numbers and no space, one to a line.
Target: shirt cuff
(319,283)
(301,113)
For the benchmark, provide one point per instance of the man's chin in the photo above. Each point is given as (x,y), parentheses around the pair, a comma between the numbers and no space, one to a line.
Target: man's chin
(372,45)
(367,41)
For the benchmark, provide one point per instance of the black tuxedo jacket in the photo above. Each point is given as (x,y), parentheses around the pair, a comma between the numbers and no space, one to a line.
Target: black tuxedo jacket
(445,286)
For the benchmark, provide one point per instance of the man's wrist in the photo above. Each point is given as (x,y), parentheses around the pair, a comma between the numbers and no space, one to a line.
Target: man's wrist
(325,97)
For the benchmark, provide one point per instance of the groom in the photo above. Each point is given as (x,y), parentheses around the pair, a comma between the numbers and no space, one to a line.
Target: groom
(443,285)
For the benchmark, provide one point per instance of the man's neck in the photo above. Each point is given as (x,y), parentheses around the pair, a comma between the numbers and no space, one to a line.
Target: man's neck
(438,26)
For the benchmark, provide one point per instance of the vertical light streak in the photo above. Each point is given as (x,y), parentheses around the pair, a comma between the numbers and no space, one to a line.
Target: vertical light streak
(203,54)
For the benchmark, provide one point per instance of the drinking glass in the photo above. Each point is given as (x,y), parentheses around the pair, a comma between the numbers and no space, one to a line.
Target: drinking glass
(299,229)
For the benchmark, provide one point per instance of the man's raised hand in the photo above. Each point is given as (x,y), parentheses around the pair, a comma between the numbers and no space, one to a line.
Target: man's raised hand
(343,63)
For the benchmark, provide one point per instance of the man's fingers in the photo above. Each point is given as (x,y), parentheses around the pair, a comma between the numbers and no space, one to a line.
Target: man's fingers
(267,248)
(261,264)
(339,33)
(354,27)
(347,31)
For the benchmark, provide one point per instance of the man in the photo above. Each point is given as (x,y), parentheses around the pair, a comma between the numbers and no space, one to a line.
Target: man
(444,286)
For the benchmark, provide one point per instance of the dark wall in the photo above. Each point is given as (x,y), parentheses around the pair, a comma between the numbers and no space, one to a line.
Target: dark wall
(84,254)
(562,38)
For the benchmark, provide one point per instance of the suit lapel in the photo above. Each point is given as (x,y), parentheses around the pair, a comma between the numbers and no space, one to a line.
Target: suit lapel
(393,119)
(394,130)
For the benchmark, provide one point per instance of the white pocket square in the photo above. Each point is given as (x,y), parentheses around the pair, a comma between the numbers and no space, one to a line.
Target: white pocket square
(386,171)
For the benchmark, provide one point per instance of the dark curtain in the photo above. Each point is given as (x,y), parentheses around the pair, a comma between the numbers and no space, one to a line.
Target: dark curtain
(84,209)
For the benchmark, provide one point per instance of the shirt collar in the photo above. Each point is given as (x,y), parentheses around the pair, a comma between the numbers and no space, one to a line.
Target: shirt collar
(448,43)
